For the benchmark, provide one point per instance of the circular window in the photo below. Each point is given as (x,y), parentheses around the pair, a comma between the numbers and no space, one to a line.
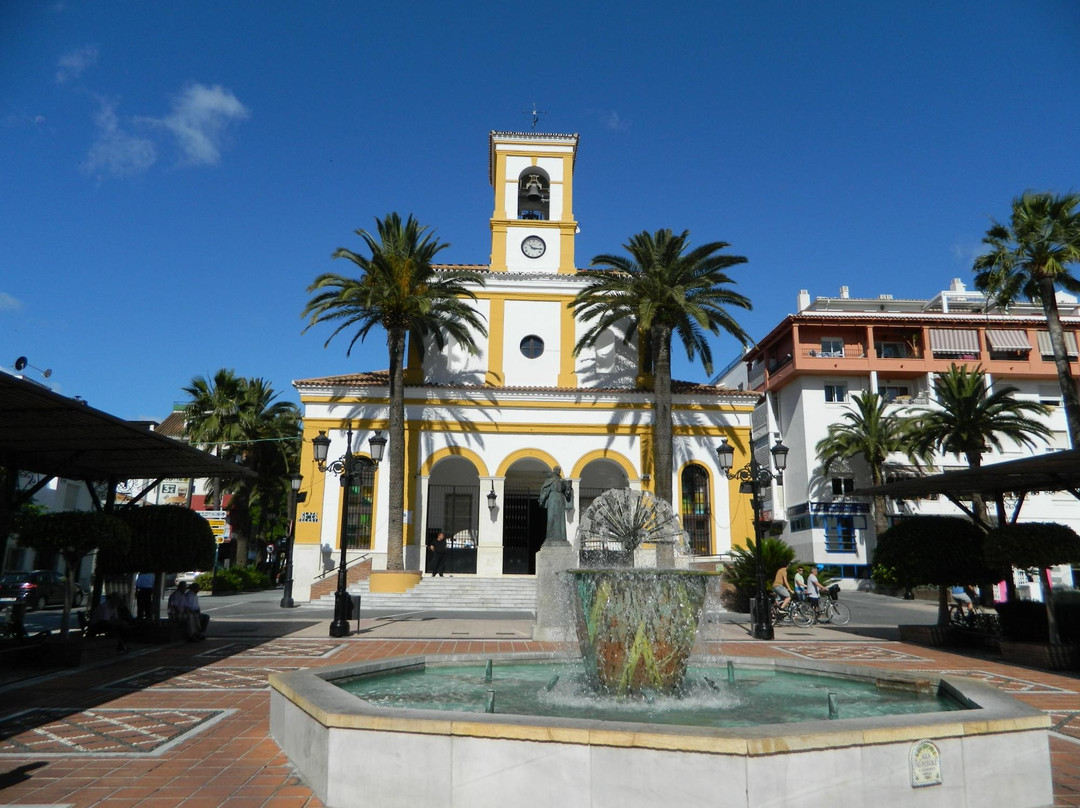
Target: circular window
(532,347)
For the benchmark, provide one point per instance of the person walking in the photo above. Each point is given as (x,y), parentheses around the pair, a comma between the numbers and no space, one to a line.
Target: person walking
(438,554)
(144,595)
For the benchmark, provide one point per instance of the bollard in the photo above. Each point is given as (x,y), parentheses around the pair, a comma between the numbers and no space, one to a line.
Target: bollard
(731,672)
(490,702)
(487,672)
(551,685)
(834,709)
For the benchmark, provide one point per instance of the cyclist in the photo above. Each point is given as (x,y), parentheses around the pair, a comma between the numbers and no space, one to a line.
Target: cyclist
(963,600)
(800,584)
(814,589)
(782,588)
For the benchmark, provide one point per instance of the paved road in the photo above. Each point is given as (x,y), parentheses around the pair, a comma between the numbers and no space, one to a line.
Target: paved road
(871,614)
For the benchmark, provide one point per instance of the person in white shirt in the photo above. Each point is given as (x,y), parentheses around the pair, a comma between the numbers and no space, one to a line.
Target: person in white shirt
(199,621)
(814,589)
(180,612)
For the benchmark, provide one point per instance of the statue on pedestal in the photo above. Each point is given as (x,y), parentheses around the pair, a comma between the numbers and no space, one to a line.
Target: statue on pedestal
(554,497)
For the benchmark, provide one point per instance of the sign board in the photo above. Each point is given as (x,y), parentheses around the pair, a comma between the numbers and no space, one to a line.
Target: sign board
(924,764)
(218,523)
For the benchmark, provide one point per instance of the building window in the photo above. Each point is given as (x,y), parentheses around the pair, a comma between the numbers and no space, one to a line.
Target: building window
(532,347)
(696,513)
(890,350)
(836,393)
(832,346)
(360,496)
(843,485)
(840,534)
(890,392)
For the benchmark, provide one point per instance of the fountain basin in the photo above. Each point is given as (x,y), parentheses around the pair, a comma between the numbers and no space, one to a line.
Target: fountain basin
(352,753)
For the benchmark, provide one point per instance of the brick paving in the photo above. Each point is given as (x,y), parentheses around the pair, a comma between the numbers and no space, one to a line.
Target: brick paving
(188,724)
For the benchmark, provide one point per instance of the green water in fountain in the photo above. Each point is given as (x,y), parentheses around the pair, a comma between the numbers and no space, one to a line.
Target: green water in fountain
(706,697)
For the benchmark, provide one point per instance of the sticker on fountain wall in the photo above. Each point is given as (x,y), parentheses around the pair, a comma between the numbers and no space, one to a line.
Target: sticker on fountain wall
(924,762)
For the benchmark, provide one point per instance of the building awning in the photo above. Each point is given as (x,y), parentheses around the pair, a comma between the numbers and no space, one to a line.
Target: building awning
(954,341)
(45,433)
(1046,349)
(1007,340)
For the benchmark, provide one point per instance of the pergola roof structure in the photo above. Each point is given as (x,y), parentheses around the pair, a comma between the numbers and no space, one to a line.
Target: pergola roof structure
(52,435)
(1058,471)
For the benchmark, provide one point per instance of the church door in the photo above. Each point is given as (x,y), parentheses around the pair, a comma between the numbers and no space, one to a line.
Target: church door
(524,526)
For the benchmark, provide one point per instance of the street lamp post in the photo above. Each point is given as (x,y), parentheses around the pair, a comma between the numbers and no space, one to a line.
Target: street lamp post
(752,477)
(294,496)
(348,468)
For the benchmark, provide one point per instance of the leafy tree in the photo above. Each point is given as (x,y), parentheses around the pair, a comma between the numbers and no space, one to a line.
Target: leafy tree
(971,419)
(399,291)
(73,534)
(1035,544)
(662,289)
(868,430)
(942,551)
(1030,258)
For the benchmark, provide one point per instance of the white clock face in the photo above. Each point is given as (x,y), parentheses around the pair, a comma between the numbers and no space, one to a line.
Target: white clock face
(533,247)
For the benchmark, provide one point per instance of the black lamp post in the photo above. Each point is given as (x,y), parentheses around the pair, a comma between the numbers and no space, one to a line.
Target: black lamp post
(294,496)
(752,477)
(349,469)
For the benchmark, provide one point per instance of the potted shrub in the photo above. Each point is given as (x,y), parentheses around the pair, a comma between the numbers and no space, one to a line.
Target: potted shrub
(72,534)
(1040,545)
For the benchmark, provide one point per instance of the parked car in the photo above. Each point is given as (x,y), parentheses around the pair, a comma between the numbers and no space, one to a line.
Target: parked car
(37,589)
(188,577)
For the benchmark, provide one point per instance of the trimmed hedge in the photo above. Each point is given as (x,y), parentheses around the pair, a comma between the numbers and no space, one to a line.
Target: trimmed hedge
(1025,620)
(234,579)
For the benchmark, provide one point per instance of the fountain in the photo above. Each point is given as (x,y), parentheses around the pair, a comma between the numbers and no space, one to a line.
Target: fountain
(636,628)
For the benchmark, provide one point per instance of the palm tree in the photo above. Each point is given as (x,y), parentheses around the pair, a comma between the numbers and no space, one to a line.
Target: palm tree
(871,431)
(1030,258)
(270,447)
(971,419)
(399,291)
(214,417)
(659,290)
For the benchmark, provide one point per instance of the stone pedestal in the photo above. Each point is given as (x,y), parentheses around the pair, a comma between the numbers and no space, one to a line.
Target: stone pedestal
(555,601)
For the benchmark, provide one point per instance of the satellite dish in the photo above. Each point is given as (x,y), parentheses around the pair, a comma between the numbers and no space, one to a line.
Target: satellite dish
(22,363)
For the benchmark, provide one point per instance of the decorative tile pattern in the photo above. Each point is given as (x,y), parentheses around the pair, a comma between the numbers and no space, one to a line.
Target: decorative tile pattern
(102,732)
(1010,684)
(311,649)
(1065,723)
(847,652)
(201,678)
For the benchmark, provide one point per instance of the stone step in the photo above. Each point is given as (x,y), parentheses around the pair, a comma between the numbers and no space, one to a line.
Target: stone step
(458,593)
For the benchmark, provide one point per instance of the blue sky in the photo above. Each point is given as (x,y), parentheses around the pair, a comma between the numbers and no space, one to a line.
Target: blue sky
(173,175)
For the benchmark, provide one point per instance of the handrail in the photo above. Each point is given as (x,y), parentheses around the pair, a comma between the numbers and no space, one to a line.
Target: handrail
(336,568)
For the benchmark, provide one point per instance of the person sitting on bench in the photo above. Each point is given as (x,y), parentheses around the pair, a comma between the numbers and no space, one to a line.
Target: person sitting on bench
(110,618)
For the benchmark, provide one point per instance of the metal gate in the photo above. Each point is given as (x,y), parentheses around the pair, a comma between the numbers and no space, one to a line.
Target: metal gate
(453,509)
(524,528)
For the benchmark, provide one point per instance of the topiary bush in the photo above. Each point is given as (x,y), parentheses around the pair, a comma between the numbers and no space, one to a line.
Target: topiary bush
(741,573)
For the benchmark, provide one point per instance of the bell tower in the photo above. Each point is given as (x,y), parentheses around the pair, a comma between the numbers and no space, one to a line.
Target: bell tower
(533,226)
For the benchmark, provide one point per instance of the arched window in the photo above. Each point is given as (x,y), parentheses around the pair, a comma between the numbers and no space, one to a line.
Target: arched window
(696,510)
(359,504)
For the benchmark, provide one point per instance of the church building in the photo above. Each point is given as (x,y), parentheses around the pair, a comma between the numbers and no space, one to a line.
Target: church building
(484,430)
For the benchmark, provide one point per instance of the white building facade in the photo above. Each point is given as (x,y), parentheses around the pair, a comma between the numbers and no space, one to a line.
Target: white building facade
(484,430)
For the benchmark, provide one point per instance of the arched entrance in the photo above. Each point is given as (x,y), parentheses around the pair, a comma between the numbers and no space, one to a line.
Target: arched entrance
(453,506)
(524,520)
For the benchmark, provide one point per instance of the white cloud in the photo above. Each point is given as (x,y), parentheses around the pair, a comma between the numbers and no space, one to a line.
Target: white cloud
(610,118)
(73,64)
(9,302)
(117,152)
(199,120)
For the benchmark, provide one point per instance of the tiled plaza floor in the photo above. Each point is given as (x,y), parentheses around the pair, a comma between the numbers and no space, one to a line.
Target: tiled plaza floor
(188,724)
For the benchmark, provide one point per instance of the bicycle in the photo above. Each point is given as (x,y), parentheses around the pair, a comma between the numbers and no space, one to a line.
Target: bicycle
(831,610)
(798,612)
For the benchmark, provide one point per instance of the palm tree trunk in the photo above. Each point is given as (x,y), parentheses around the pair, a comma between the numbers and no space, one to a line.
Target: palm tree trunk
(662,428)
(1069,396)
(395,532)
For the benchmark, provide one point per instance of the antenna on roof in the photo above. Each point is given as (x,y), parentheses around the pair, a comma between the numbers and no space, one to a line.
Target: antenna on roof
(21,363)
(535,114)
